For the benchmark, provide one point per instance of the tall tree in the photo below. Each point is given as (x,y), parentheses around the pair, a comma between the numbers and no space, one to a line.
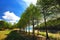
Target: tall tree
(34,14)
(44,6)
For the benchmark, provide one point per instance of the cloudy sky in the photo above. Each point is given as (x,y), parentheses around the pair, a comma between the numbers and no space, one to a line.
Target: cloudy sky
(11,10)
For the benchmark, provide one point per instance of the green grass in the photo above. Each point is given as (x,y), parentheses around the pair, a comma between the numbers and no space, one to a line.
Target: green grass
(3,34)
(51,35)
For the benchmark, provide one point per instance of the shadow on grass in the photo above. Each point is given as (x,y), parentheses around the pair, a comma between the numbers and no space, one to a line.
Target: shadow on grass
(14,36)
(17,36)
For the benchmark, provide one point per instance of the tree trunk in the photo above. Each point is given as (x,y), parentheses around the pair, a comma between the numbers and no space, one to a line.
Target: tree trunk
(38,28)
(44,13)
(26,29)
(29,28)
(47,38)
(33,29)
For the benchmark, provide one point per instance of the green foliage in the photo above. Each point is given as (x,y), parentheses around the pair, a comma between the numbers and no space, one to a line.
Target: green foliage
(51,25)
(5,25)
(9,26)
(2,24)
(14,25)
(30,13)
(48,8)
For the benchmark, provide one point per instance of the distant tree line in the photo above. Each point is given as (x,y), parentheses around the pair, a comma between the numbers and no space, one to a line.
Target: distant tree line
(6,25)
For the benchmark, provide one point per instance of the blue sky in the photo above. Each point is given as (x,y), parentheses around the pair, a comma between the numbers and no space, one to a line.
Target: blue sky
(11,10)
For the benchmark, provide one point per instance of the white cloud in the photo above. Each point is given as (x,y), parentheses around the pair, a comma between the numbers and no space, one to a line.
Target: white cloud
(28,2)
(10,17)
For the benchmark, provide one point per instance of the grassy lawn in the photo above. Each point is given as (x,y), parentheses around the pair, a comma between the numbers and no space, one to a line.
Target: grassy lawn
(51,35)
(3,34)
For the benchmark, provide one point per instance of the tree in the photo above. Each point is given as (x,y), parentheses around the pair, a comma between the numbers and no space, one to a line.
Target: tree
(14,25)
(4,24)
(44,6)
(22,24)
(33,14)
(29,16)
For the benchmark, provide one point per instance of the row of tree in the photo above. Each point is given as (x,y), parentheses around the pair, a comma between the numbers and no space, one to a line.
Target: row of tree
(44,10)
(34,14)
(29,17)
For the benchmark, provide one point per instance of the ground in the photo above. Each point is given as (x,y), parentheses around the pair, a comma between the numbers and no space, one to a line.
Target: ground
(4,33)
